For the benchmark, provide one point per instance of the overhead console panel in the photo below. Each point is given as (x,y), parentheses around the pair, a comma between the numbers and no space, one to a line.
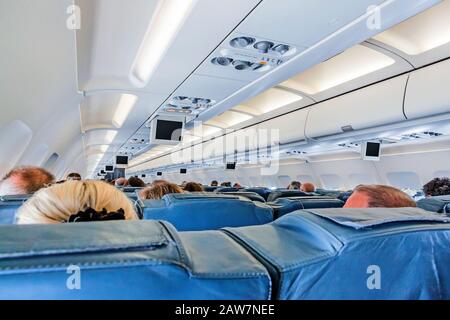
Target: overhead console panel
(372,106)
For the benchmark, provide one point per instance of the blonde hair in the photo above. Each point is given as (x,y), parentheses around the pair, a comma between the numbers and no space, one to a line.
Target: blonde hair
(57,203)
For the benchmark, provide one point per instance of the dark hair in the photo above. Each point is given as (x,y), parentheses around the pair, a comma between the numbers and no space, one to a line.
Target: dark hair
(73,176)
(214,183)
(437,187)
(136,182)
(295,185)
(193,187)
(385,196)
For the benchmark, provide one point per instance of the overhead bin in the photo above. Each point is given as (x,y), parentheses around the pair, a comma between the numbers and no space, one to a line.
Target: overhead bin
(428,93)
(372,106)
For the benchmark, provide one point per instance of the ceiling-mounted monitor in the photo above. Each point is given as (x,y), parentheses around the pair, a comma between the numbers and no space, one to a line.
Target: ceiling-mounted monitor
(159,174)
(143,176)
(183,171)
(231,166)
(109,168)
(371,150)
(121,161)
(102,172)
(165,130)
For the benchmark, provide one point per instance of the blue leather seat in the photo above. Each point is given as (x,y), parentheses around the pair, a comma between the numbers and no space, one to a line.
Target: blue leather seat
(434,204)
(195,212)
(249,195)
(283,206)
(9,206)
(209,188)
(263,192)
(345,195)
(354,253)
(227,189)
(330,193)
(274,195)
(126,260)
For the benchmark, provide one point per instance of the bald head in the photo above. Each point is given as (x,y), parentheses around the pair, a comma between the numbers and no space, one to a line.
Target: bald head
(25,180)
(378,196)
(307,187)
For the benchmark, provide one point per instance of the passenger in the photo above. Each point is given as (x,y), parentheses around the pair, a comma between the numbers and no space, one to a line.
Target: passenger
(214,183)
(25,180)
(308,187)
(136,182)
(193,187)
(76,201)
(437,187)
(157,182)
(295,185)
(378,196)
(159,190)
(237,185)
(226,184)
(121,182)
(73,176)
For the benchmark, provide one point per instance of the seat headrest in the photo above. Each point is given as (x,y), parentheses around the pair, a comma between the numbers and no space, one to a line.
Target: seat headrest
(434,204)
(126,260)
(274,195)
(250,195)
(206,211)
(227,189)
(311,249)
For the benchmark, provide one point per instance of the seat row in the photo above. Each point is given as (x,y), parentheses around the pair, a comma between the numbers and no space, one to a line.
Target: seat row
(309,254)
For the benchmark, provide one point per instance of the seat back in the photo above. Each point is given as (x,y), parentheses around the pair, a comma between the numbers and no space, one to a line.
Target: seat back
(331,193)
(364,253)
(227,189)
(195,212)
(125,260)
(209,188)
(9,206)
(249,195)
(274,195)
(283,206)
(263,192)
(434,204)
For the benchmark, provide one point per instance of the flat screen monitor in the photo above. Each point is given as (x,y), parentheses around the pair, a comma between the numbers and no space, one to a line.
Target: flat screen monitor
(166,130)
(122,160)
(109,168)
(231,165)
(371,151)
(159,174)
(143,176)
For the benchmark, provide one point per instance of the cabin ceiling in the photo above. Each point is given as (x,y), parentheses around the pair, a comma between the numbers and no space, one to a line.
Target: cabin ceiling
(80,94)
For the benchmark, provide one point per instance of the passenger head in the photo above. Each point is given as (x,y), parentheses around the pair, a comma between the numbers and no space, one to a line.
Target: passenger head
(73,176)
(193,187)
(136,182)
(121,182)
(437,187)
(237,185)
(214,183)
(307,187)
(157,191)
(25,180)
(295,185)
(378,196)
(226,184)
(59,202)
(156,182)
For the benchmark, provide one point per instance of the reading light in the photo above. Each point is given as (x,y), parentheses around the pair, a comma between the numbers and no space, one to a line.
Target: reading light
(166,22)
(126,104)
